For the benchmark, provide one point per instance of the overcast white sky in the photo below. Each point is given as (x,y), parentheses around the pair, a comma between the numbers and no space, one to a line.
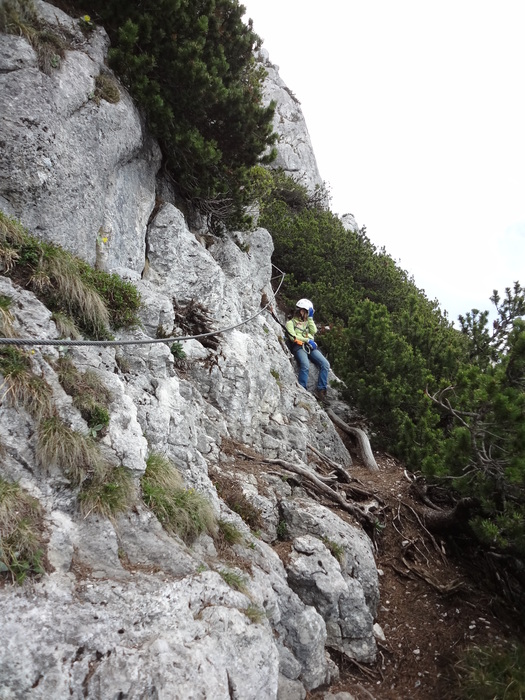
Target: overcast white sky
(416,112)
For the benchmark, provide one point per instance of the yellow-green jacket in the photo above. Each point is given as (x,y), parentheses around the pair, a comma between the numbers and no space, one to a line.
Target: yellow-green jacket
(301,331)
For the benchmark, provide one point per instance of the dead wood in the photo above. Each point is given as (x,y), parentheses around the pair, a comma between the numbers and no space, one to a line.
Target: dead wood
(432,538)
(339,469)
(448,521)
(361,492)
(362,516)
(362,439)
(412,572)
(441,588)
(419,488)
(365,692)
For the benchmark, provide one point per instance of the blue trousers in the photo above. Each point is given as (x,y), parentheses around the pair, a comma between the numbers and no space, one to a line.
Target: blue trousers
(303,360)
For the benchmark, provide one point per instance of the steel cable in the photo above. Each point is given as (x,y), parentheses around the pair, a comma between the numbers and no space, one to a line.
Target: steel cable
(149,341)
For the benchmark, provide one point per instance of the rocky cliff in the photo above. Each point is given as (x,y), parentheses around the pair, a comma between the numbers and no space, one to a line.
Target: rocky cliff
(125,609)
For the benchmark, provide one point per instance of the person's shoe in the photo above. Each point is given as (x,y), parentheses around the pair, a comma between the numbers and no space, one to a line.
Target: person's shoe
(320,395)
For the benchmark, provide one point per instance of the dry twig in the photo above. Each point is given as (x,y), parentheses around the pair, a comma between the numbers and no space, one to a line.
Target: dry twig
(448,588)
(365,691)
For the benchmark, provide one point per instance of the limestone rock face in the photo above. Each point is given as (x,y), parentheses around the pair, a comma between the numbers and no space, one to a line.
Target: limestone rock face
(318,580)
(136,638)
(126,609)
(295,154)
(349,222)
(70,167)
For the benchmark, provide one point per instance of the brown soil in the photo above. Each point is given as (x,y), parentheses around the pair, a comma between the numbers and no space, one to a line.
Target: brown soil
(436,600)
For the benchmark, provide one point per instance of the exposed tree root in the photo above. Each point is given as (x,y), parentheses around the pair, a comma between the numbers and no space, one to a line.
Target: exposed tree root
(362,440)
(339,469)
(448,521)
(362,516)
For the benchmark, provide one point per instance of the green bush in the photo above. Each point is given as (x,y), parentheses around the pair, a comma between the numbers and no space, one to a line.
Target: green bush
(448,402)
(387,342)
(121,298)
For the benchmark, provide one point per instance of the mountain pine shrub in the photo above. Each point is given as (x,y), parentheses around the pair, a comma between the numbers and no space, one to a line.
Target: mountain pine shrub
(449,402)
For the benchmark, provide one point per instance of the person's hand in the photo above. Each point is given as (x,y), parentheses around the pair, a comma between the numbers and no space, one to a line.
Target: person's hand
(311,312)
(312,344)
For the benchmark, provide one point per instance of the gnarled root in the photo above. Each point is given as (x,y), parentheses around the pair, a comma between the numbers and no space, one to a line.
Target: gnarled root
(362,440)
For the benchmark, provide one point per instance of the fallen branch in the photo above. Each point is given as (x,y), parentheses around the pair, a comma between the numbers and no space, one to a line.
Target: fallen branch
(362,439)
(354,490)
(366,671)
(445,589)
(361,493)
(339,469)
(433,539)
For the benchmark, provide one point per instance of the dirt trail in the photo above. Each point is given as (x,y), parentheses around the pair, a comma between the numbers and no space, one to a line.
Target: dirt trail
(434,603)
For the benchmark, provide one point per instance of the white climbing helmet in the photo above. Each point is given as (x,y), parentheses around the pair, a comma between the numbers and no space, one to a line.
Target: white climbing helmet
(304,304)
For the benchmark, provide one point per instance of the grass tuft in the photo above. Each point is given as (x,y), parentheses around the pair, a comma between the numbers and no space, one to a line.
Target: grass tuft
(50,44)
(77,455)
(254,613)
(108,492)
(181,511)
(66,327)
(6,317)
(234,580)
(230,533)
(489,673)
(106,88)
(56,276)
(336,550)
(12,233)
(18,17)
(94,300)
(21,541)
(21,386)
(232,494)
(90,395)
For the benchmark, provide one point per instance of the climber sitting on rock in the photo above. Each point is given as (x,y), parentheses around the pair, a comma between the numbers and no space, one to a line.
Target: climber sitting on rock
(301,330)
